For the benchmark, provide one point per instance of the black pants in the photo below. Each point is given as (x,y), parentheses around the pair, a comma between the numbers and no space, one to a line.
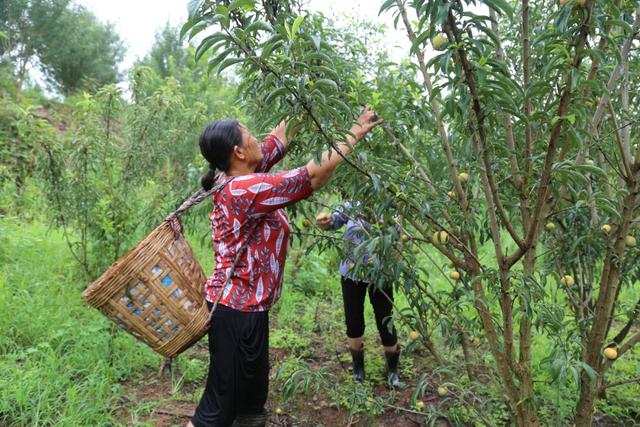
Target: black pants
(238,380)
(353,294)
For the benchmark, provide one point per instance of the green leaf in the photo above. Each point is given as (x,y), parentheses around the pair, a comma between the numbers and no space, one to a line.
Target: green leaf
(197,29)
(316,41)
(215,62)
(620,23)
(257,26)
(227,63)
(442,14)
(386,6)
(241,4)
(584,168)
(418,41)
(330,72)
(610,207)
(589,371)
(193,6)
(273,95)
(187,26)
(500,6)
(296,25)
(493,36)
(327,84)
(268,48)
(288,30)
(208,42)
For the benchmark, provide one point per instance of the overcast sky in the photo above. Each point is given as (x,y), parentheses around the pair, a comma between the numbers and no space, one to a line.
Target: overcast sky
(138,20)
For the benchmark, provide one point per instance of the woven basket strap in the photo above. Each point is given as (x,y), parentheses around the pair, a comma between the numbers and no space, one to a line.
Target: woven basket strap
(196,198)
(233,269)
(174,217)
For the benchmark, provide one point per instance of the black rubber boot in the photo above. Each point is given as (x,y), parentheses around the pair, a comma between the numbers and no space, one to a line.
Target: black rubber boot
(392,358)
(251,420)
(358,364)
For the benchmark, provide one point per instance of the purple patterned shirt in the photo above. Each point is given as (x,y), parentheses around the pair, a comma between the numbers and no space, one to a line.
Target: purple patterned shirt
(354,235)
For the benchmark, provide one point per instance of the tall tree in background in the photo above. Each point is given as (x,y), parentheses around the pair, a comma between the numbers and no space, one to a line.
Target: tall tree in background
(169,52)
(71,47)
(25,22)
(82,54)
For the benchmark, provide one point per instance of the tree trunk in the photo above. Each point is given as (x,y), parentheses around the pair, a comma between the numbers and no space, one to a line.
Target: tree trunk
(609,285)
(586,404)
(524,362)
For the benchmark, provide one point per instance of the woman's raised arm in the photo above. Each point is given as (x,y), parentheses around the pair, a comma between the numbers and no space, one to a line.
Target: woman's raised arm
(320,173)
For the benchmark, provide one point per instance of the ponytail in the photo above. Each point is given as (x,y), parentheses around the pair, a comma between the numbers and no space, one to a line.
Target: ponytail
(216,145)
(208,179)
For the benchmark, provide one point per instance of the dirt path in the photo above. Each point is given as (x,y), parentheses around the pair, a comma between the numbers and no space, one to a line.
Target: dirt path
(155,399)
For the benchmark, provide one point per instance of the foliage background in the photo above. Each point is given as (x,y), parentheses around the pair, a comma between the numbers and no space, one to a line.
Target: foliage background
(86,176)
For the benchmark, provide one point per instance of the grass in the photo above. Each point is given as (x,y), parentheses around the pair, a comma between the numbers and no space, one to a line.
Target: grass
(61,363)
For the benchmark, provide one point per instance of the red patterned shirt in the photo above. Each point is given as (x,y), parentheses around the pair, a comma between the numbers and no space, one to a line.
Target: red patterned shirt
(250,206)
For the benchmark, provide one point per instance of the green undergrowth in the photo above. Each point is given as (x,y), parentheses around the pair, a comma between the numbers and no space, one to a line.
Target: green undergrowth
(63,363)
(59,362)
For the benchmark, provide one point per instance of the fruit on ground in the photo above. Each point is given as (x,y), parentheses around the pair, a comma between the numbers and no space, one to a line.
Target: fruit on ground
(454,275)
(451,194)
(306,223)
(439,42)
(404,238)
(611,353)
(440,237)
(606,228)
(567,280)
(463,177)
(278,411)
(630,241)
(550,226)
(450,264)
(442,391)
(419,404)
(588,162)
(414,335)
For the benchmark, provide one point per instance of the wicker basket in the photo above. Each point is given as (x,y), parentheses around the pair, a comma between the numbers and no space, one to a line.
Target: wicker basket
(154,292)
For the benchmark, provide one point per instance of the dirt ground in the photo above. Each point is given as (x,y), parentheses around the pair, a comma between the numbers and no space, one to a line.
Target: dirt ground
(314,410)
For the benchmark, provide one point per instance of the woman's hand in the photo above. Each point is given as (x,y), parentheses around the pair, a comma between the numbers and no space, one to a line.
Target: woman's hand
(320,173)
(323,221)
(368,120)
(281,130)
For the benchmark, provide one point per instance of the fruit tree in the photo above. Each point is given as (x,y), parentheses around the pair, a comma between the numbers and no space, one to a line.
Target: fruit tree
(510,130)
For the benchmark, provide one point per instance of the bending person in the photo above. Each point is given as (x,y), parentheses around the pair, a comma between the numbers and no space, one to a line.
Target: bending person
(354,290)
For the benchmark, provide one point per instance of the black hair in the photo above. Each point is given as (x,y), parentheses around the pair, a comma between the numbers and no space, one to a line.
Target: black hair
(216,144)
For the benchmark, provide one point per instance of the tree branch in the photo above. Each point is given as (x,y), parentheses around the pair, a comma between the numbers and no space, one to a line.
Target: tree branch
(479,117)
(528,108)
(565,100)
(506,117)
(621,382)
(444,139)
(625,154)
